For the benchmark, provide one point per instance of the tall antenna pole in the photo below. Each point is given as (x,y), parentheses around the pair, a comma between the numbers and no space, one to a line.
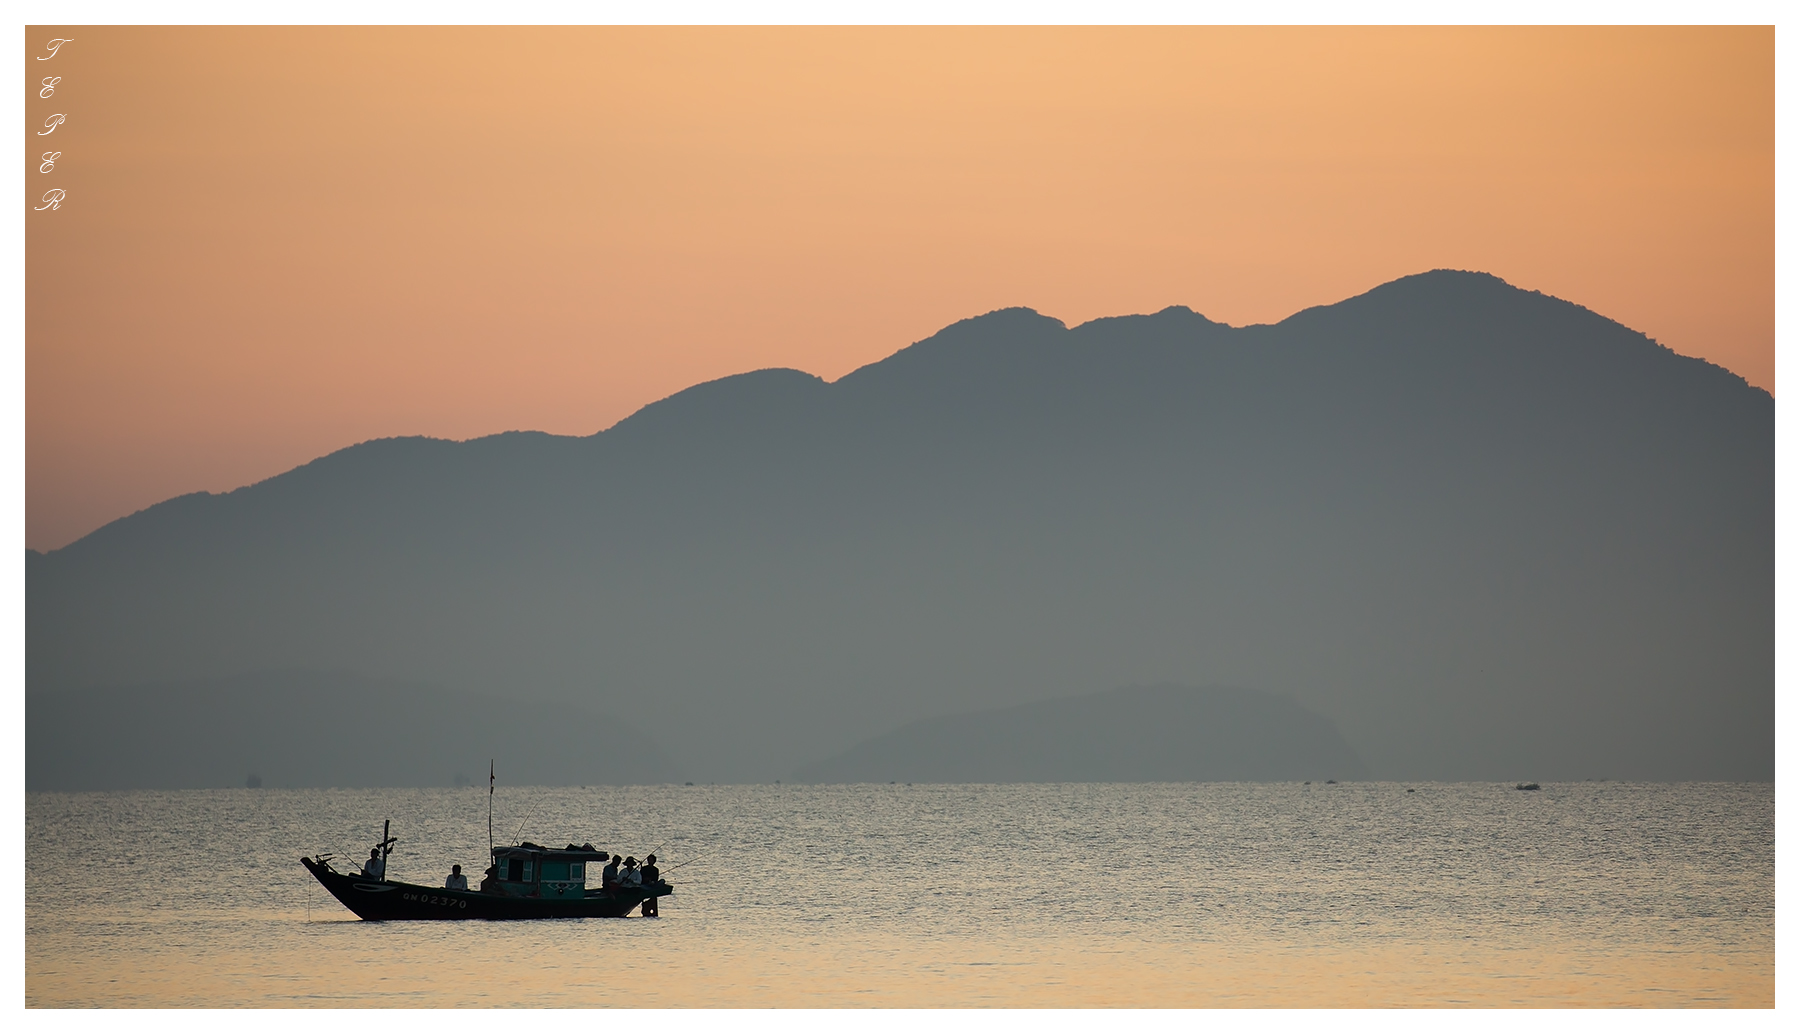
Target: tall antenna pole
(490,811)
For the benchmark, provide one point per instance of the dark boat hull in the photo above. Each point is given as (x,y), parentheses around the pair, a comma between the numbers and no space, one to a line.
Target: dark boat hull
(381,899)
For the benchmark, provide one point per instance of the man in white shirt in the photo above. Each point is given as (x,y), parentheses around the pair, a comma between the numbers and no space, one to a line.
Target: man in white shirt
(376,867)
(456,880)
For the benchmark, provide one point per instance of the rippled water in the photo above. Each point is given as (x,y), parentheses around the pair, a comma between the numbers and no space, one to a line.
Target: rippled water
(1023,895)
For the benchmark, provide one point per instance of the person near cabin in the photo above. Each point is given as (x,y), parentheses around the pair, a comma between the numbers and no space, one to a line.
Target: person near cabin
(650,874)
(376,867)
(456,880)
(629,876)
(609,876)
(490,880)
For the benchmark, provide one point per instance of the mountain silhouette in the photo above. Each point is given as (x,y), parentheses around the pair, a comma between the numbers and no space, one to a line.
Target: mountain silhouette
(305,728)
(1481,530)
(1145,734)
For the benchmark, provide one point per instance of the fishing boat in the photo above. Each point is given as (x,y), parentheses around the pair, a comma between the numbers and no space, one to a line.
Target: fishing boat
(528,881)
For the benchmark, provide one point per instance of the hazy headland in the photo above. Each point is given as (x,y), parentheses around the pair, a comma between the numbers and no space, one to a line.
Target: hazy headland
(1141,734)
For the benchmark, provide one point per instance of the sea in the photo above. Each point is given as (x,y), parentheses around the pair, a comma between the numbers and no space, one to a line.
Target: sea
(1594,894)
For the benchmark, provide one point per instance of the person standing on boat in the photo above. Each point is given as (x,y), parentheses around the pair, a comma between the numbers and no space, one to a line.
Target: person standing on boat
(609,876)
(490,880)
(376,867)
(456,880)
(650,874)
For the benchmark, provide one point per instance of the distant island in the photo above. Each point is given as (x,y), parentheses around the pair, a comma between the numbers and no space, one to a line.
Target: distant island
(1479,530)
(1140,734)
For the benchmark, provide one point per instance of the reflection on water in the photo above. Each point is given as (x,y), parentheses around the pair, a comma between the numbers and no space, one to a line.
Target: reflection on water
(1057,895)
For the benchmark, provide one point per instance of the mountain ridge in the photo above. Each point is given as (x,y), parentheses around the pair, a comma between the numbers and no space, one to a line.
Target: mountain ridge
(1435,513)
(701,390)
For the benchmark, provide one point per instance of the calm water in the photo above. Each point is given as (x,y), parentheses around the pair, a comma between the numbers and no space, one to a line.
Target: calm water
(1040,895)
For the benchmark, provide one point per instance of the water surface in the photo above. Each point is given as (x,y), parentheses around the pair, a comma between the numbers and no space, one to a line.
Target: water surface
(1203,894)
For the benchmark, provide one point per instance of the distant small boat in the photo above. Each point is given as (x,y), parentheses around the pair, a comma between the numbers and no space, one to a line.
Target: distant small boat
(1526,786)
(532,882)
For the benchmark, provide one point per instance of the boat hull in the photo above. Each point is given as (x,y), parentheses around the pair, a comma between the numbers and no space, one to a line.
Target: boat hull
(385,900)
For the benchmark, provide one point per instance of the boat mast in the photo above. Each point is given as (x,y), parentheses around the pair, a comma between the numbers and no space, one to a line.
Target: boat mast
(490,811)
(387,847)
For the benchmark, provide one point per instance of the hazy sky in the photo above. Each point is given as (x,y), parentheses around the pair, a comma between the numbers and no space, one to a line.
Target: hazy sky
(280,241)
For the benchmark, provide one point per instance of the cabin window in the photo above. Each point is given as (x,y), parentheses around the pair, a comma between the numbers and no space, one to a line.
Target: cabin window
(527,877)
(577,872)
(516,871)
(556,871)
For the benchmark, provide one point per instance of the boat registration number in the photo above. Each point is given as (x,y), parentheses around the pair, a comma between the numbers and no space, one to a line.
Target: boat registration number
(433,899)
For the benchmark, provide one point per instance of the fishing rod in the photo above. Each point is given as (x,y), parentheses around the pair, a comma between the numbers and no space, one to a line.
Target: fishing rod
(690,861)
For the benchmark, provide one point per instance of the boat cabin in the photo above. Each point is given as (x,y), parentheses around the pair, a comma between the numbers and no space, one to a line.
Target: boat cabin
(530,871)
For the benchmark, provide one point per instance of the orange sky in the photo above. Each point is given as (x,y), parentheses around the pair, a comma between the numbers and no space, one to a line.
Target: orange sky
(281,241)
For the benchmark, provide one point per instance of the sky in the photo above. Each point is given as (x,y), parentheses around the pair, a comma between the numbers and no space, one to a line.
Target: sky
(277,242)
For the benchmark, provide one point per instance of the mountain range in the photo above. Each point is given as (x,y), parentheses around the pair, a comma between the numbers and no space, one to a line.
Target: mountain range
(1483,532)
